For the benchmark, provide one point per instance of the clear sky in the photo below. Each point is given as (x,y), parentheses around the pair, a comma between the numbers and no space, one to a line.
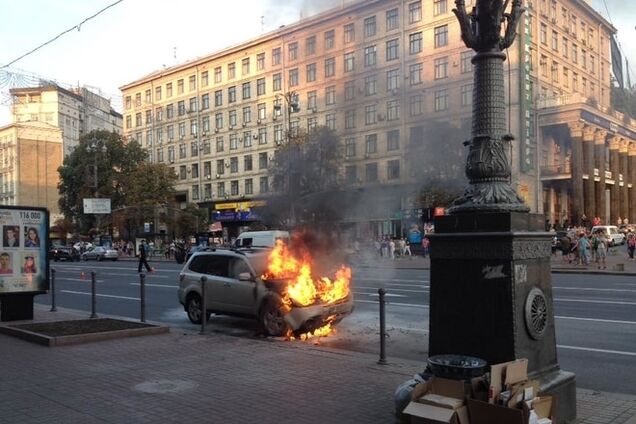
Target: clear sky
(136,37)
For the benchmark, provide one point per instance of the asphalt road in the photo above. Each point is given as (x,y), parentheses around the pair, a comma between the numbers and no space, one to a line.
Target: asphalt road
(595,315)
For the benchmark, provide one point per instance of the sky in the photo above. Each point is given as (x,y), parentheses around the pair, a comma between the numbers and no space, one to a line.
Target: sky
(135,37)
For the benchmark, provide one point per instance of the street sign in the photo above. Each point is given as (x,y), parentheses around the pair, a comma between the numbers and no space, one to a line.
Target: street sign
(97,206)
(146,227)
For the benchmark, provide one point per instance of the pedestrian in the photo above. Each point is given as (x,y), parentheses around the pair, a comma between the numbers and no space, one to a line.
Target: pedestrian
(631,245)
(584,249)
(601,249)
(378,247)
(385,247)
(407,247)
(392,249)
(425,243)
(566,246)
(143,255)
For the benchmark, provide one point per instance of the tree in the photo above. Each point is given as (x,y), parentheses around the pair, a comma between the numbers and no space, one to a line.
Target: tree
(624,101)
(305,171)
(187,221)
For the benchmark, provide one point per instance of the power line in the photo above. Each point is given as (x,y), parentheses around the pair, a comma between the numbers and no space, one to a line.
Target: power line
(78,27)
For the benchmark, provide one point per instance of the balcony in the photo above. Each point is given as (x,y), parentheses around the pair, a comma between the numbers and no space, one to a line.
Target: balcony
(556,172)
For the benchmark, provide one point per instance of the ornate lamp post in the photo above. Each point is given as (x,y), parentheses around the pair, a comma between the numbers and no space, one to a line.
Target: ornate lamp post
(491,289)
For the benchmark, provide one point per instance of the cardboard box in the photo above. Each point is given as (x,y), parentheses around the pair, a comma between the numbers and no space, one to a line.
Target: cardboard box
(486,413)
(439,400)
(429,414)
(504,375)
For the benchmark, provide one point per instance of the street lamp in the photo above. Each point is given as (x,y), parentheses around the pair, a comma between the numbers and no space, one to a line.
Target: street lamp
(95,146)
(292,106)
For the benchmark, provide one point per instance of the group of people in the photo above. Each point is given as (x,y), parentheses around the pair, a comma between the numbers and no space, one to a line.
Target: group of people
(582,247)
(387,247)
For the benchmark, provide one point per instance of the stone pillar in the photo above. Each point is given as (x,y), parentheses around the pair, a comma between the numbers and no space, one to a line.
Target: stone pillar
(615,203)
(576,135)
(631,151)
(589,205)
(623,165)
(599,163)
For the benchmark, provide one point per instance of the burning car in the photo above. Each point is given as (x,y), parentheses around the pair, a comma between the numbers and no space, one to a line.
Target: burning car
(271,285)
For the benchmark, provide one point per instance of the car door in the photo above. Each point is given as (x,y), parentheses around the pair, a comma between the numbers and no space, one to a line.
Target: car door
(215,268)
(241,294)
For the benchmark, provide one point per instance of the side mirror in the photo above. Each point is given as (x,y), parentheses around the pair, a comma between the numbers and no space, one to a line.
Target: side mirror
(245,276)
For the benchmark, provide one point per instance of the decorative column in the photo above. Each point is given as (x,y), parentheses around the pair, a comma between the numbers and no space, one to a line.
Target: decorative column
(599,163)
(631,151)
(623,167)
(490,278)
(589,205)
(576,135)
(615,203)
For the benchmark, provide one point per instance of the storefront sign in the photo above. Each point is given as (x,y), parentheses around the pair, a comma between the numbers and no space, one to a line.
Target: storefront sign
(241,206)
(607,124)
(97,206)
(527,110)
(23,256)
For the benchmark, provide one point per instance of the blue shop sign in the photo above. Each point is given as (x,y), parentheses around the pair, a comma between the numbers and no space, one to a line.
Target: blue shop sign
(226,215)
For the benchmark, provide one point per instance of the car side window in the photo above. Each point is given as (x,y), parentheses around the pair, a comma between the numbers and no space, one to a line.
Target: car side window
(238,266)
(197,264)
(216,265)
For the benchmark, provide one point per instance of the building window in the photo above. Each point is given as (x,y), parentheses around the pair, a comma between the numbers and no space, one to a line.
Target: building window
(157,93)
(351,176)
(554,70)
(555,41)
(311,72)
(205,124)
(262,111)
(218,75)
(159,135)
(247,114)
(349,33)
(207,191)
(205,101)
(231,94)
(247,139)
(415,12)
(129,102)
(220,189)
(180,86)
(159,114)
(182,151)
(293,77)
(330,121)
(218,120)
(148,138)
(370,114)
(312,123)
(369,26)
(349,90)
(219,144)
(371,143)
(415,73)
(233,165)
(192,82)
(193,105)
(371,172)
(278,134)
(392,47)
(231,70)
(370,55)
(262,161)
(575,53)
(260,61)
(245,66)
(543,34)
(218,98)
(310,45)
(169,89)
(193,127)
(441,36)
(264,184)
(311,99)
(170,131)
(330,67)
(194,151)
(349,62)
(233,142)
(350,119)
(276,56)
(160,155)
(247,90)
(330,39)
(392,19)
(195,192)
(148,117)
(277,82)
(393,140)
(260,87)
(393,169)
(138,119)
(441,100)
(249,186)
(330,95)
(466,63)
(415,42)
(393,79)
(439,7)
(393,110)
(467,94)
(350,147)
(370,85)
(292,51)
(262,135)
(441,68)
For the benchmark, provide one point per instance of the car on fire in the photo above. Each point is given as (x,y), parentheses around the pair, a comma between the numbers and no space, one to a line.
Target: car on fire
(236,286)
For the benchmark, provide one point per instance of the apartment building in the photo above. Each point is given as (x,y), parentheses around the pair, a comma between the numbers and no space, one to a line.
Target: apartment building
(30,154)
(76,112)
(386,75)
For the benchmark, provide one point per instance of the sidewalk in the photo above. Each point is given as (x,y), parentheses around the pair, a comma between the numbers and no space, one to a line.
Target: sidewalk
(184,377)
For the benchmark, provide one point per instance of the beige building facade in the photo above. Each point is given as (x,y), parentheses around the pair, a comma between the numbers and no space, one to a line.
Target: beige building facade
(382,74)
(30,154)
(76,112)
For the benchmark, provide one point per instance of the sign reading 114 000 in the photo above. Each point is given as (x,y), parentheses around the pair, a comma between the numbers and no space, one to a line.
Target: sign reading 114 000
(30,215)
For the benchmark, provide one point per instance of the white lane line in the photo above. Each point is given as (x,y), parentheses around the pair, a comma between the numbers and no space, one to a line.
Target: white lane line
(376,294)
(608,302)
(610,321)
(87,279)
(410,305)
(359,277)
(101,295)
(590,349)
(594,289)
(397,290)
(155,285)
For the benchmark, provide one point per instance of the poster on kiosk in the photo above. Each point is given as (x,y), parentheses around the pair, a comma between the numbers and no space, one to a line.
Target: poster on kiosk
(23,253)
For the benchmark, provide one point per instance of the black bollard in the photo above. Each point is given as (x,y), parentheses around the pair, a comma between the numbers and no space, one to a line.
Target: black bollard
(142,295)
(93,294)
(53,308)
(203,305)
(382,361)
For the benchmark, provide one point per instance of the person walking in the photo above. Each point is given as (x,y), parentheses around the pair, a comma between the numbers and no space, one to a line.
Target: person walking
(407,247)
(143,255)
(392,249)
(584,249)
(631,245)
(601,249)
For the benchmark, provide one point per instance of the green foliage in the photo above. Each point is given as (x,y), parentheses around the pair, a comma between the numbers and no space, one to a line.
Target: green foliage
(187,221)
(624,101)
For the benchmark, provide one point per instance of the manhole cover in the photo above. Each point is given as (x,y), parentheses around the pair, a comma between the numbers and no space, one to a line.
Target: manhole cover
(165,386)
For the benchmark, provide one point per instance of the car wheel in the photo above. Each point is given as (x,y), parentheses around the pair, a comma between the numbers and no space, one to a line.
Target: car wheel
(272,317)
(99,258)
(193,308)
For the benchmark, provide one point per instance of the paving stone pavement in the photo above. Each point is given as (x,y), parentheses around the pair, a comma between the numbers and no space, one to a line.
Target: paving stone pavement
(213,378)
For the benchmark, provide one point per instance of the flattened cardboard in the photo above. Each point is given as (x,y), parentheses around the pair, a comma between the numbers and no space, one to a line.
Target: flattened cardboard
(446,387)
(516,372)
(462,415)
(485,413)
(544,407)
(429,414)
(441,401)
(505,374)
(519,391)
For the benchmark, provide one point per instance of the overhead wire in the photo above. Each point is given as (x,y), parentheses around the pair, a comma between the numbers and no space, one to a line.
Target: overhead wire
(609,18)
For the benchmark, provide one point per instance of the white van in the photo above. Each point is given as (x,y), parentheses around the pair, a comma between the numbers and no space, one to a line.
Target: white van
(612,233)
(261,238)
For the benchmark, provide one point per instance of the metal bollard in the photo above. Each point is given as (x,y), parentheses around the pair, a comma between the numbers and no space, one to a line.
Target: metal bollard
(204,280)
(142,295)
(93,294)
(53,308)
(382,360)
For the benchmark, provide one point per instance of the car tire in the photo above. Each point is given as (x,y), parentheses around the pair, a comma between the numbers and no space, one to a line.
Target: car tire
(99,258)
(193,309)
(272,318)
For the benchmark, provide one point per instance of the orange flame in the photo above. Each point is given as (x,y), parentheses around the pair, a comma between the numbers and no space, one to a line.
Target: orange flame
(303,288)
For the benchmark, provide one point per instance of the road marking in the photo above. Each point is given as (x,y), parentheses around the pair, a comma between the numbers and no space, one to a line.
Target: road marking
(593,289)
(87,279)
(376,294)
(611,321)
(609,302)
(355,277)
(399,290)
(101,295)
(375,302)
(591,349)
(155,285)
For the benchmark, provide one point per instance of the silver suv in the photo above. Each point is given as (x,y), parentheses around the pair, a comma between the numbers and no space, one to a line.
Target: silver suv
(234,287)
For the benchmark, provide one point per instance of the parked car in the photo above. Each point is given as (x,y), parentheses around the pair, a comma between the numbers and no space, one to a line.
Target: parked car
(614,236)
(100,253)
(64,253)
(234,287)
